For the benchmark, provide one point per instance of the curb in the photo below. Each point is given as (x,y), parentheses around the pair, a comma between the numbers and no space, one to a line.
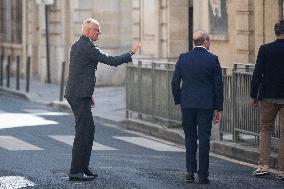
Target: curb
(14,93)
(60,105)
(240,152)
(20,94)
(174,135)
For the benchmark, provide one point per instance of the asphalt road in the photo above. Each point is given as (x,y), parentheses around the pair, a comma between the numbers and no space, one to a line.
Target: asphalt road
(35,152)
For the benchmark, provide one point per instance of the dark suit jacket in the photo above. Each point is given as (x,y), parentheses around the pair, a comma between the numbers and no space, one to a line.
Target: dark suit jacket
(84,57)
(268,76)
(201,77)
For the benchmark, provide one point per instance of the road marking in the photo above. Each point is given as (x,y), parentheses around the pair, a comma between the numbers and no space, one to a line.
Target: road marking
(145,135)
(15,182)
(44,112)
(11,120)
(13,144)
(68,139)
(151,144)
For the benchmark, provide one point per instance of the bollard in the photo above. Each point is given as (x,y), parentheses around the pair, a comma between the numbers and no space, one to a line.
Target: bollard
(8,72)
(18,74)
(62,81)
(28,74)
(1,69)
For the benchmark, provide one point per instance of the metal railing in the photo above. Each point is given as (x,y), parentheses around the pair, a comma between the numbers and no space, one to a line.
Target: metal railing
(148,93)
(226,125)
(245,117)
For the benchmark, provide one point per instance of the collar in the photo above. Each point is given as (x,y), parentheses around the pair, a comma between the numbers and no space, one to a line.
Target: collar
(280,40)
(91,40)
(200,47)
(86,38)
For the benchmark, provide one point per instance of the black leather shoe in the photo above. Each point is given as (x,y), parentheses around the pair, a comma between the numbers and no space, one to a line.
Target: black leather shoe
(189,177)
(203,180)
(88,172)
(80,177)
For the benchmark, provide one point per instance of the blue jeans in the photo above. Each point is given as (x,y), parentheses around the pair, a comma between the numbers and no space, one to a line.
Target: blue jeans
(197,124)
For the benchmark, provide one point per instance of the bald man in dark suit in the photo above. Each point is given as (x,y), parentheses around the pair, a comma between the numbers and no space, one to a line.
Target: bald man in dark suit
(200,94)
(84,58)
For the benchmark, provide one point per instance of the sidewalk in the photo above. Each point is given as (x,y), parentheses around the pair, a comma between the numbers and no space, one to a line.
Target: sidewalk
(111,108)
(110,101)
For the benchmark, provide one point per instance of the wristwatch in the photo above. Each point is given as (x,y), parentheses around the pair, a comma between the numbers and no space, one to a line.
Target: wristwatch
(132,53)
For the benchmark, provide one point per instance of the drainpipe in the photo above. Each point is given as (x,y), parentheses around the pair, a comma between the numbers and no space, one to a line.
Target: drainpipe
(280,2)
(263,24)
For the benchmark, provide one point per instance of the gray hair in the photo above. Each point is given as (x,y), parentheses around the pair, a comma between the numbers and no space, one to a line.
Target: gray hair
(199,36)
(88,23)
(279,28)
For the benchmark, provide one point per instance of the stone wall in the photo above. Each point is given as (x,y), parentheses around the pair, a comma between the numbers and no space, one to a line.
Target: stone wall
(241,26)
(250,24)
(161,26)
(65,20)
(116,38)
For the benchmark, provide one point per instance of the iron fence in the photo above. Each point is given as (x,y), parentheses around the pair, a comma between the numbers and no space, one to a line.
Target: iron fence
(148,93)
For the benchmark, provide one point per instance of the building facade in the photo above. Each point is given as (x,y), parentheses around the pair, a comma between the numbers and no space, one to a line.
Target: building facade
(23,32)
(163,27)
(237,29)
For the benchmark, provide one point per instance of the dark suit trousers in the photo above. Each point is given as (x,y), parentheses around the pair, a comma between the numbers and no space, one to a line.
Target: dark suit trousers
(84,133)
(197,124)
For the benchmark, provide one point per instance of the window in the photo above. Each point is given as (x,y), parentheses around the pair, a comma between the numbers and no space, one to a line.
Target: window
(17,18)
(11,21)
(218,16)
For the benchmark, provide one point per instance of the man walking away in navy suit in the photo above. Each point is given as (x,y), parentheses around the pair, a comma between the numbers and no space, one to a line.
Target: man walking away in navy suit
(267,86)
(200,94)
